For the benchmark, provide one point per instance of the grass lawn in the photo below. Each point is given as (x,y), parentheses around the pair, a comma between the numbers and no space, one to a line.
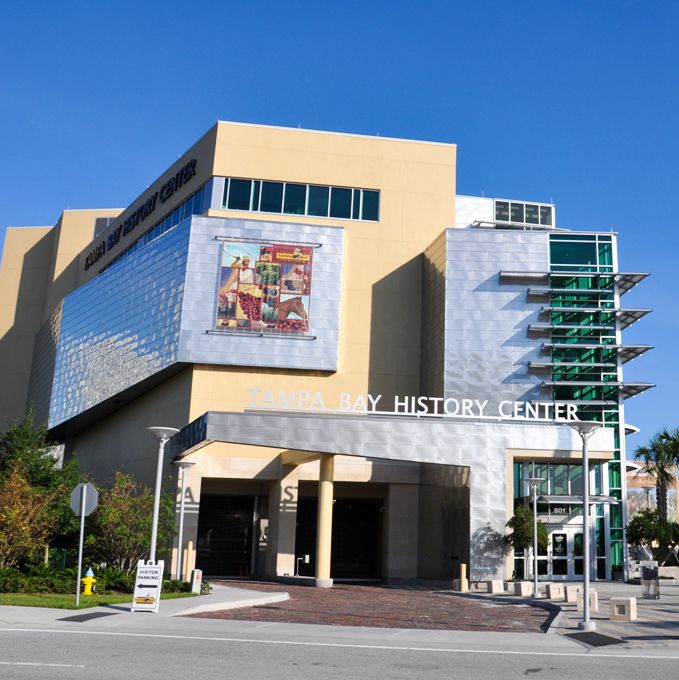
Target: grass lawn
(58,601)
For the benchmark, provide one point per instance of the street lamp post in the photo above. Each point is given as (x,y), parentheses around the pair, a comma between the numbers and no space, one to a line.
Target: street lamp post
(162,434)
(533,482)
(585,429)
(184,465)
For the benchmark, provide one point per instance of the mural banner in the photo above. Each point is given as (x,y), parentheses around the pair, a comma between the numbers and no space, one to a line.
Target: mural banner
(264,287)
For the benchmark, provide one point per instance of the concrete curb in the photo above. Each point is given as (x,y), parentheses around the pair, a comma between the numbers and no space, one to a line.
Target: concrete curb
(542,603)
(254,601)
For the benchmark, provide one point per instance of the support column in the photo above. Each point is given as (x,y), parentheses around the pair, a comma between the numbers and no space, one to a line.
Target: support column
(191,514)
(283,495)
(324,527)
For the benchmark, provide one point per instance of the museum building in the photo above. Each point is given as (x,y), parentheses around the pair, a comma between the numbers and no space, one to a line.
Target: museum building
(364,366)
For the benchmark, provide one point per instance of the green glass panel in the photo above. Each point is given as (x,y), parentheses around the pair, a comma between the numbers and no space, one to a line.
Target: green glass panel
(575,474)
(616,516)
(573,253)
(542,470)
(616,534)
(600,535)
(596,490)
(617,553)
(559,474)
(573,237)
(518,480)
(605,254)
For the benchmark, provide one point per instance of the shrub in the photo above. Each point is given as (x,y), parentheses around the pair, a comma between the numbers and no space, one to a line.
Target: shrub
(113,579)
(11,580)
(38,579)
(176,586)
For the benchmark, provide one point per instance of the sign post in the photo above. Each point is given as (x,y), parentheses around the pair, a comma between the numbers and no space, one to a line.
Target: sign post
(84,499)
(147,586)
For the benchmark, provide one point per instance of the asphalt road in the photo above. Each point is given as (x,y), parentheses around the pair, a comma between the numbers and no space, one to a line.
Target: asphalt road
(81,651)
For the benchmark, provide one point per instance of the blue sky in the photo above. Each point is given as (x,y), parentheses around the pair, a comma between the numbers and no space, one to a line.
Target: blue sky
(574,102)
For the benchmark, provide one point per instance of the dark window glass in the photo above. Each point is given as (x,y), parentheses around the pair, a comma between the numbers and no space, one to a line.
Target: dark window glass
(295,199)
(198,202)
(577,545)
(371,205)
(356,205)
(545,215)
(502,211)
(517,212)
(186,208)
(340,203)
(239,194)
(255,194)
(532,214)
(560,567)
(176,216)
(318,200)
(272,197)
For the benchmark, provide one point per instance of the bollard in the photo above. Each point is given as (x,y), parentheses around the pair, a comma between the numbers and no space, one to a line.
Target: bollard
(461,584)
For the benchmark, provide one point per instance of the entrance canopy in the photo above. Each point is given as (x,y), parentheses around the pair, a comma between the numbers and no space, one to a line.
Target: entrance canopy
(574,500)
(470,442)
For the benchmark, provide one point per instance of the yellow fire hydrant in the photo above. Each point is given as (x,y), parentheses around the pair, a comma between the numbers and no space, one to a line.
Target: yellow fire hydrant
(88,581)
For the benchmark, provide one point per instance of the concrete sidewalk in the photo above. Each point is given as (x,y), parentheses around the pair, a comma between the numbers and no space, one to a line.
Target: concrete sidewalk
(219,599)
(657,623)
(655,634)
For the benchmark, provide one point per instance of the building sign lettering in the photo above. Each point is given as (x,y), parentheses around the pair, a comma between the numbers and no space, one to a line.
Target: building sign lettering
(294,400)
(141,213)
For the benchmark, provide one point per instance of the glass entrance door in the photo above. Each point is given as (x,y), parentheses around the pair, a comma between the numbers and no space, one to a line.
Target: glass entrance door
(563,561)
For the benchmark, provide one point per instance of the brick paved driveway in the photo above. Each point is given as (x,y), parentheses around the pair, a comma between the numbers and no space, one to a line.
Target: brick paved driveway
(384,607)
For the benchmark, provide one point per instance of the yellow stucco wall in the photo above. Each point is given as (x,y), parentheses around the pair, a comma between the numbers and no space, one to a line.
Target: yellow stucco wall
(381,278)
(71,234)
(23,273)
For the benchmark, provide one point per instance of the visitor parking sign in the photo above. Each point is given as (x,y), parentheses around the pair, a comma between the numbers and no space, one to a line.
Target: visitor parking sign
(147,586)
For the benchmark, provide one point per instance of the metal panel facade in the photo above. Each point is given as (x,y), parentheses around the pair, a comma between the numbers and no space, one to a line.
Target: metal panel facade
(487,347)
(157,307)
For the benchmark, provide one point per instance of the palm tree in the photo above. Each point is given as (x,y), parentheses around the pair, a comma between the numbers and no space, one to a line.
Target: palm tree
(660,457)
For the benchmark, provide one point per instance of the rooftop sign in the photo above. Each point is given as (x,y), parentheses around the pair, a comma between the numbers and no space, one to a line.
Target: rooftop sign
(148,207)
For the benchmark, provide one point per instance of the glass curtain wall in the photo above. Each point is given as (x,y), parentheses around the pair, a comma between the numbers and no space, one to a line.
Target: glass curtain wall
(584,334)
